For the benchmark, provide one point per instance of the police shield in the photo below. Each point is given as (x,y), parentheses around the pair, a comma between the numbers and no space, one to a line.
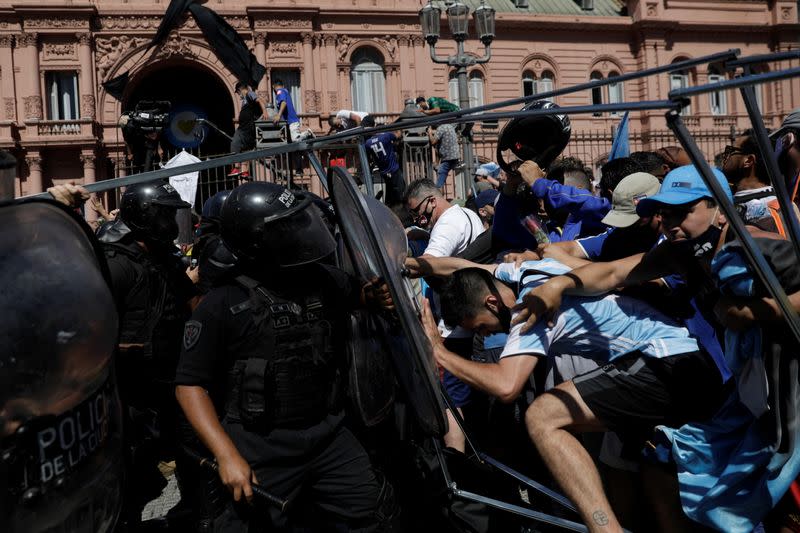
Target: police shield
(377,246)
(60,434)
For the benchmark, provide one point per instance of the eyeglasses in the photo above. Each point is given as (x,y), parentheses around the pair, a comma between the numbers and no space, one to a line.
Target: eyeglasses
(415,210)
(731,150)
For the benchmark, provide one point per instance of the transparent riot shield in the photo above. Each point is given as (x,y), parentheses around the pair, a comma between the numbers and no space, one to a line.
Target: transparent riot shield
(60,421)
(377,246)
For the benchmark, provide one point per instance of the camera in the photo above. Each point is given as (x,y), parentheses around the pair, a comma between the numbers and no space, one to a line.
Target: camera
(149,116)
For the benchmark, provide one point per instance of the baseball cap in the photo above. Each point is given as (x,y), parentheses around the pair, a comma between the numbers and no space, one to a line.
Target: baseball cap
(627,195)
(488,169)
(790,122)
(683,185)
(486,197)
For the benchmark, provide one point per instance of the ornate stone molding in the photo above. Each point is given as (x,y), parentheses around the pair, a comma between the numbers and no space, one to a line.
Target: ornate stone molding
(417,40)
(88,160)
(309,101)
(404,40)
(34,162)
(307,37)
(87,106)
(134,22)
(283,23)
(33,107)
(175,45)
(84,39)
(333,100)
(329,39)
(342,47)
(6,40)
(57,23)
(27,39)
(390,44)
(10,106)
(283,49)
(59,51)
(260,37)
(111,49)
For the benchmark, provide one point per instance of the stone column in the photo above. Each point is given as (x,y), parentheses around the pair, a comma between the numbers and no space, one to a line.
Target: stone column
(331,100)
(89,176)
(423,67)
(35,182)
(393,81)
(30,87)
(7,88)
(308,83)
(261,56)
(408,85)
(86,85)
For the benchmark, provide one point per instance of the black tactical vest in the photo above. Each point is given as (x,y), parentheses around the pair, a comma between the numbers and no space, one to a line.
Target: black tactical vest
(293,381)
(150,313)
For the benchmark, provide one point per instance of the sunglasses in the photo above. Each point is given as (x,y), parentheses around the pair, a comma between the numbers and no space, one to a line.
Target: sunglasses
(729,151)
(415,210)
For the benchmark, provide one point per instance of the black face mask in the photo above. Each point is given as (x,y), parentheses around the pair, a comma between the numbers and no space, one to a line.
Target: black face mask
(504,316)
(705,244)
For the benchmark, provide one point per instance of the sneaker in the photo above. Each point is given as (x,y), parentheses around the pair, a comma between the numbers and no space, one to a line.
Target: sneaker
(234,173)
(245,176)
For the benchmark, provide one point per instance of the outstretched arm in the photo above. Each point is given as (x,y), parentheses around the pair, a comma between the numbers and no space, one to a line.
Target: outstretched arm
(504,380)
(427,265)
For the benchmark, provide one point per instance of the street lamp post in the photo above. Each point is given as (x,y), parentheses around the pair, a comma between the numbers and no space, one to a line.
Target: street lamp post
(458,19)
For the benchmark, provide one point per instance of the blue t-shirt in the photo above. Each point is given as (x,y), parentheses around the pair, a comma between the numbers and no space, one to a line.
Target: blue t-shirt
(603,328)
(289,114)
(381,146)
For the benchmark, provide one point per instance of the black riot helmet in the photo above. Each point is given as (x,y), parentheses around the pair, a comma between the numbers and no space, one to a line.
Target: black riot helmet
(149,210)
(60,418)
(537,138)
(268,223)
(213,205)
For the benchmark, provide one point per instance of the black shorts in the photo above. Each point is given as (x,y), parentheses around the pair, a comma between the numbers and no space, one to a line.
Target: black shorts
(636,393)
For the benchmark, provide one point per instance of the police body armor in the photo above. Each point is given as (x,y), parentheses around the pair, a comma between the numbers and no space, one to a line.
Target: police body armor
(293,381)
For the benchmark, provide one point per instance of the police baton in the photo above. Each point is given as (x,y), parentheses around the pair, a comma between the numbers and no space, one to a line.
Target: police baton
(259,491)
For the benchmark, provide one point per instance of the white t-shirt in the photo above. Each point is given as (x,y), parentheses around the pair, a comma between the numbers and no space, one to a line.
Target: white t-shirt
(347,122)
(456,229)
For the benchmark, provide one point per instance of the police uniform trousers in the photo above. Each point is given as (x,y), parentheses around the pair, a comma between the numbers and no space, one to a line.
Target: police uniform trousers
(323,471)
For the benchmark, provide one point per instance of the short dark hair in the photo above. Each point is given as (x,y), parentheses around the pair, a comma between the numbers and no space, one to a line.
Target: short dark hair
(240,85)
(419,100)
(277,81)
(368,121)
(461,296)
(651,162)
(750,147)
(567,165)
(615,171)
(330,121)
(419,188)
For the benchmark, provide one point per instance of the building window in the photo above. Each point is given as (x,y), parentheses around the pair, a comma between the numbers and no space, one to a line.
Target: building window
(680,80)
(62,95)
(476,89)
(368,81)
(291,80)
(531,84)
(613,93)
(719,99)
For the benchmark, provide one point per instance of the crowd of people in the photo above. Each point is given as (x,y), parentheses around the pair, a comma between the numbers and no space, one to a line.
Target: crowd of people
(605,334)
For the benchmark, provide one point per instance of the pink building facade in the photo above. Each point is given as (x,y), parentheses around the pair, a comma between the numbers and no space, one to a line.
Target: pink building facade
(355,54)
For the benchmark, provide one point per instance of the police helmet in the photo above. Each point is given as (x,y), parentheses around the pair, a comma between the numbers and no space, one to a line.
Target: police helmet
(149,210)
(213,205)
(267,222)
(535,138)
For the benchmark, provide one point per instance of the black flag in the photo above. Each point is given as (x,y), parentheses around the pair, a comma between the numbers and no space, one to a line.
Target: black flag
(226,42)
(228,45)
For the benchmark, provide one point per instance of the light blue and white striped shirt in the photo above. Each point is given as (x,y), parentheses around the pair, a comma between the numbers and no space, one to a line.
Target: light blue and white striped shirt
(603,328)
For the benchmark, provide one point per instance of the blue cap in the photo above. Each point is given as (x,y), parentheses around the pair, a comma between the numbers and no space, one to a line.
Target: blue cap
(681,186)
(486,197)
(488,169)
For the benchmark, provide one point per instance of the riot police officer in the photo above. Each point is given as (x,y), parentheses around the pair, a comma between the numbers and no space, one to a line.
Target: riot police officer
(258,376)
(152,292)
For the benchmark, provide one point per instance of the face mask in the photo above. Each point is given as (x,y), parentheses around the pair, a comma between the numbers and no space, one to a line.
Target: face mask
(704,245)
(504,316)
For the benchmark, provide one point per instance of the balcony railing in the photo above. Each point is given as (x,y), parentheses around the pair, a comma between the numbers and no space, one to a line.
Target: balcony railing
(64,128)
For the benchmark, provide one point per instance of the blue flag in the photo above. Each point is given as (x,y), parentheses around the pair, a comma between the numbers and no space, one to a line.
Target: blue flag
(621,146)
